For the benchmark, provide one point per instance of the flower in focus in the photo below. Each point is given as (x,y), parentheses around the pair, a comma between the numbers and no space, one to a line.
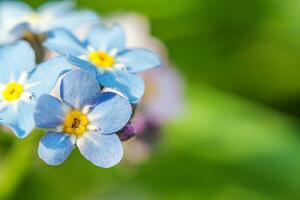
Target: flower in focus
(103,52)
(86,118)
(16,16)
(22,82)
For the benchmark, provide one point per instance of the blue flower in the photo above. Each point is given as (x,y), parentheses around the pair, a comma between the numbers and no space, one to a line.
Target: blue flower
(15,16)
(84,117)
(103,52)
(22,82)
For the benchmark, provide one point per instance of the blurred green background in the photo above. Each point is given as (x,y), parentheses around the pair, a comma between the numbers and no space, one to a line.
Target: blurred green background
(239,137)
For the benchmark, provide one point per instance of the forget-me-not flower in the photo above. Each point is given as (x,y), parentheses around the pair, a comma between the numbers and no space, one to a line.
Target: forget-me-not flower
(15,16)
(84,117)
(22,82)
(104,52)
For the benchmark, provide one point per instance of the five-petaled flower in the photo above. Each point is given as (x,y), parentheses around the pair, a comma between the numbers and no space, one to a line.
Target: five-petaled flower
(104,53)
(16,16)
(84,117)
(80,114)
(22,82)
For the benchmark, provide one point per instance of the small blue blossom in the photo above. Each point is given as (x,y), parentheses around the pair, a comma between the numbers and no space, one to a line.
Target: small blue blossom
(84,117)
(22,82)
(104,52)
(15,16)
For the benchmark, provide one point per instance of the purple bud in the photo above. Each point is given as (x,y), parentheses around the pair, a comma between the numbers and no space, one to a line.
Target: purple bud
(127,133)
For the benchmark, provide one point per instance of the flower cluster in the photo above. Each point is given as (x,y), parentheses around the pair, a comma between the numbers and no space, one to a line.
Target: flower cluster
(85,95)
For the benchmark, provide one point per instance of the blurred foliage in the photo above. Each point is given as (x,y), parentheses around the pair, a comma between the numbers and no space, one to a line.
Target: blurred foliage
(239,135)
(231,149)
(14,167)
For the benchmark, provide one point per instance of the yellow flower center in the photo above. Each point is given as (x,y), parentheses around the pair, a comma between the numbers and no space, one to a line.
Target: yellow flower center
(102,59)
(12,91)
(75,123)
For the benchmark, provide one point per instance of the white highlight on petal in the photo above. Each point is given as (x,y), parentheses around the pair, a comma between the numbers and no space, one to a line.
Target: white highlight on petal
(3,104)
(30,85)
(90,49)
(113,52)
(86,109)
(106,89)
(119,66)
(84,57)
(87,136)
(77,103)
(23,78)
(59,128)
(2,87)
(39,21)
(91,127)
(26,96)
(93,117)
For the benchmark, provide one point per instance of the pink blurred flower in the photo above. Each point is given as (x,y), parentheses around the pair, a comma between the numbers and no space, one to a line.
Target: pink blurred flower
(163,98)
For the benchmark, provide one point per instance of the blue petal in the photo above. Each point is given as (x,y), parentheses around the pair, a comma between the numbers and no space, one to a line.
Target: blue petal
(49,112)
(16,59)
(79,88)
(111,114)
(102,150)
(19,29)
(77,19)
(137,60)
(82,64)
(10,14)
(12,10)
(45,76)
(64,42)
(128,84)
(6,37)
(19,118)
(106,39)
(55,148)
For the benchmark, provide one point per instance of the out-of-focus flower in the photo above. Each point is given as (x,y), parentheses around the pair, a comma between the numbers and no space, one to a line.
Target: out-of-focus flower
(85,118)
(163,98)
(21,83)
(137,30)
(104,53)
(16,16)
